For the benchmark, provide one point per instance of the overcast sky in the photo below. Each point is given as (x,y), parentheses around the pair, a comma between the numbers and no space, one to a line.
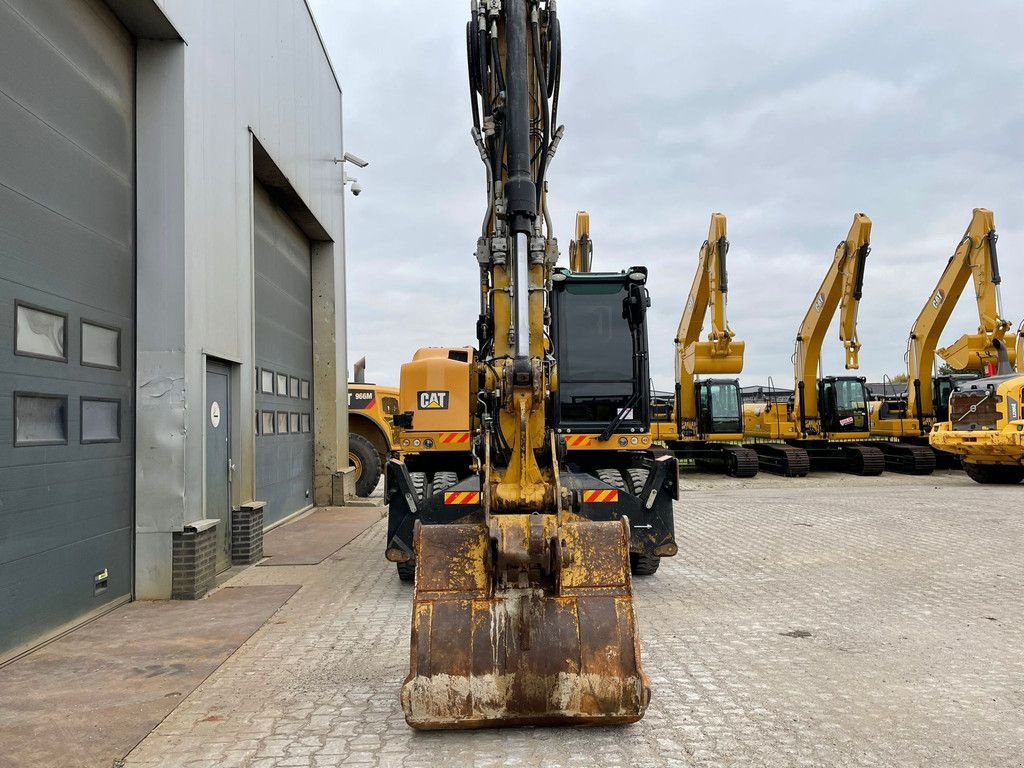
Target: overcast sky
(787,117)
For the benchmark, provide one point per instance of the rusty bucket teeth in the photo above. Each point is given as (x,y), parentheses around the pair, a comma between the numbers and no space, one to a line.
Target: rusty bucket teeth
(484,656)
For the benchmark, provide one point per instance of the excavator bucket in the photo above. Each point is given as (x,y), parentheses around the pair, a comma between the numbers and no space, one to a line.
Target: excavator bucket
(487,655)
(974,351)
(710,358)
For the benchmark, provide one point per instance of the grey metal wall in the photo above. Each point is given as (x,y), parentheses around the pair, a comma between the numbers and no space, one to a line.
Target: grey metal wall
(284,360)
(66,247)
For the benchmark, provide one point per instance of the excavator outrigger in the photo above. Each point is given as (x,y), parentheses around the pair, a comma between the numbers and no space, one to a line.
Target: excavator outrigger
(908,423)
(705,421)
(523,610)
(828,414)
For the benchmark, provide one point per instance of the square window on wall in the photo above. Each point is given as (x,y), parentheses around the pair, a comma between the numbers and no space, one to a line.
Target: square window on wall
(40,332)
(282,384)
(282,422)
(267,382)
(293,423)
(267,423)
(101,345)
(304,389)
(304,421)
(101,420)
(293,387)
(40,419)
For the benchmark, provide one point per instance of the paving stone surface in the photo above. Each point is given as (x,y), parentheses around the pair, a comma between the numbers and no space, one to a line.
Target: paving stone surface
(817,622)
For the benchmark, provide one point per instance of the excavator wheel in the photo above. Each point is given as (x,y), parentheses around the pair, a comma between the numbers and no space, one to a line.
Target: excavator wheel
(407,570)
(442,481)
(639,565)
(994,474)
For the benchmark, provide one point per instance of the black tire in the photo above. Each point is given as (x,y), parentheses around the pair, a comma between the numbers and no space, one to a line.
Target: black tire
(419,484)
(643,565)
(612,477)
(406,570)
(364,457)
(632,481)
(443,481)
(994,474)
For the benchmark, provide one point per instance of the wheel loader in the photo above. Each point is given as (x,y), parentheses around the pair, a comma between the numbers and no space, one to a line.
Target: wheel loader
(904,425)
(986,424)
(820,428)
(371,410)
(523,611)
(704,423)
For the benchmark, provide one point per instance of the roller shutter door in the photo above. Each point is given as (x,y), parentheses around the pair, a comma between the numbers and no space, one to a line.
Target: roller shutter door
(67,295)
(284,359)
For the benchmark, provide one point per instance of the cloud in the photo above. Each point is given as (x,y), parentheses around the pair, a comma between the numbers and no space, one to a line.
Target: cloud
(788,118)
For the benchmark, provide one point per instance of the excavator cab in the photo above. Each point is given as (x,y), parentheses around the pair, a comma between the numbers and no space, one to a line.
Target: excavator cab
(600,342)
(719,407)
(844,404)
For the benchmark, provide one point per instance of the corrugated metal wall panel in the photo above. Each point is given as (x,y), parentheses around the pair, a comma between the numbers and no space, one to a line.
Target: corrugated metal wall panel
(284,346)
(66,245)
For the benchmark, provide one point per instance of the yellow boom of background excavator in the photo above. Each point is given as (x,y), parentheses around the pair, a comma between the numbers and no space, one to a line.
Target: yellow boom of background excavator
(523,611)
(907,423)
(704,421)
(828,414)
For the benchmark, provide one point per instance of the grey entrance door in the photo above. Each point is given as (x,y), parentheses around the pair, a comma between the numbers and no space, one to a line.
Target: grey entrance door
(218,457)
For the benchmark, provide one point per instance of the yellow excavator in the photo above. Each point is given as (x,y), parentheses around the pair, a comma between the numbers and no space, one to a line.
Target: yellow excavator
(703,422)
(819,428)
(907,423)
(523,610)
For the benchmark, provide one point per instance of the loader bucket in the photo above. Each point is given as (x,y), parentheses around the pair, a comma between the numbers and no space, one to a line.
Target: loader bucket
(484,655)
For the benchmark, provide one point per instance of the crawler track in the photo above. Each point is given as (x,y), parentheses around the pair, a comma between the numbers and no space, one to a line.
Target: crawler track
(908,458)
(782,459)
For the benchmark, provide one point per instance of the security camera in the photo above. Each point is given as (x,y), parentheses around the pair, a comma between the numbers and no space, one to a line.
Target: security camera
(357,161)
(356,189)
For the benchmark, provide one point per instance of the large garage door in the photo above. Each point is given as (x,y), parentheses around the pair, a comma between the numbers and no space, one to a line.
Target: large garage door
(66,313)
(284,357)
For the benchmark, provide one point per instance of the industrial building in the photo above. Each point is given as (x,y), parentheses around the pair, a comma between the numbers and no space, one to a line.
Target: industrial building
(171,296)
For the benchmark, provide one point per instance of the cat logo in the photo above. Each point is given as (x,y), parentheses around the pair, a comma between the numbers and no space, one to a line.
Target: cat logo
(819,302)
(433,400)
(938,298)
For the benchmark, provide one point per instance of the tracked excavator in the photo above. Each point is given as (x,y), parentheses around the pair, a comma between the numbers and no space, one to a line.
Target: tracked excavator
(523,610)
(704,423)
(906,424)
(820,427)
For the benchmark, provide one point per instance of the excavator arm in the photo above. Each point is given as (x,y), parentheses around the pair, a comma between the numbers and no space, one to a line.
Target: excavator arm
(721,353)
(975,258)
(581,249)
(841,289)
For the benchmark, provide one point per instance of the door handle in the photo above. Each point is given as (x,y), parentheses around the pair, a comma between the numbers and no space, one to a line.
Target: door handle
(231,470)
